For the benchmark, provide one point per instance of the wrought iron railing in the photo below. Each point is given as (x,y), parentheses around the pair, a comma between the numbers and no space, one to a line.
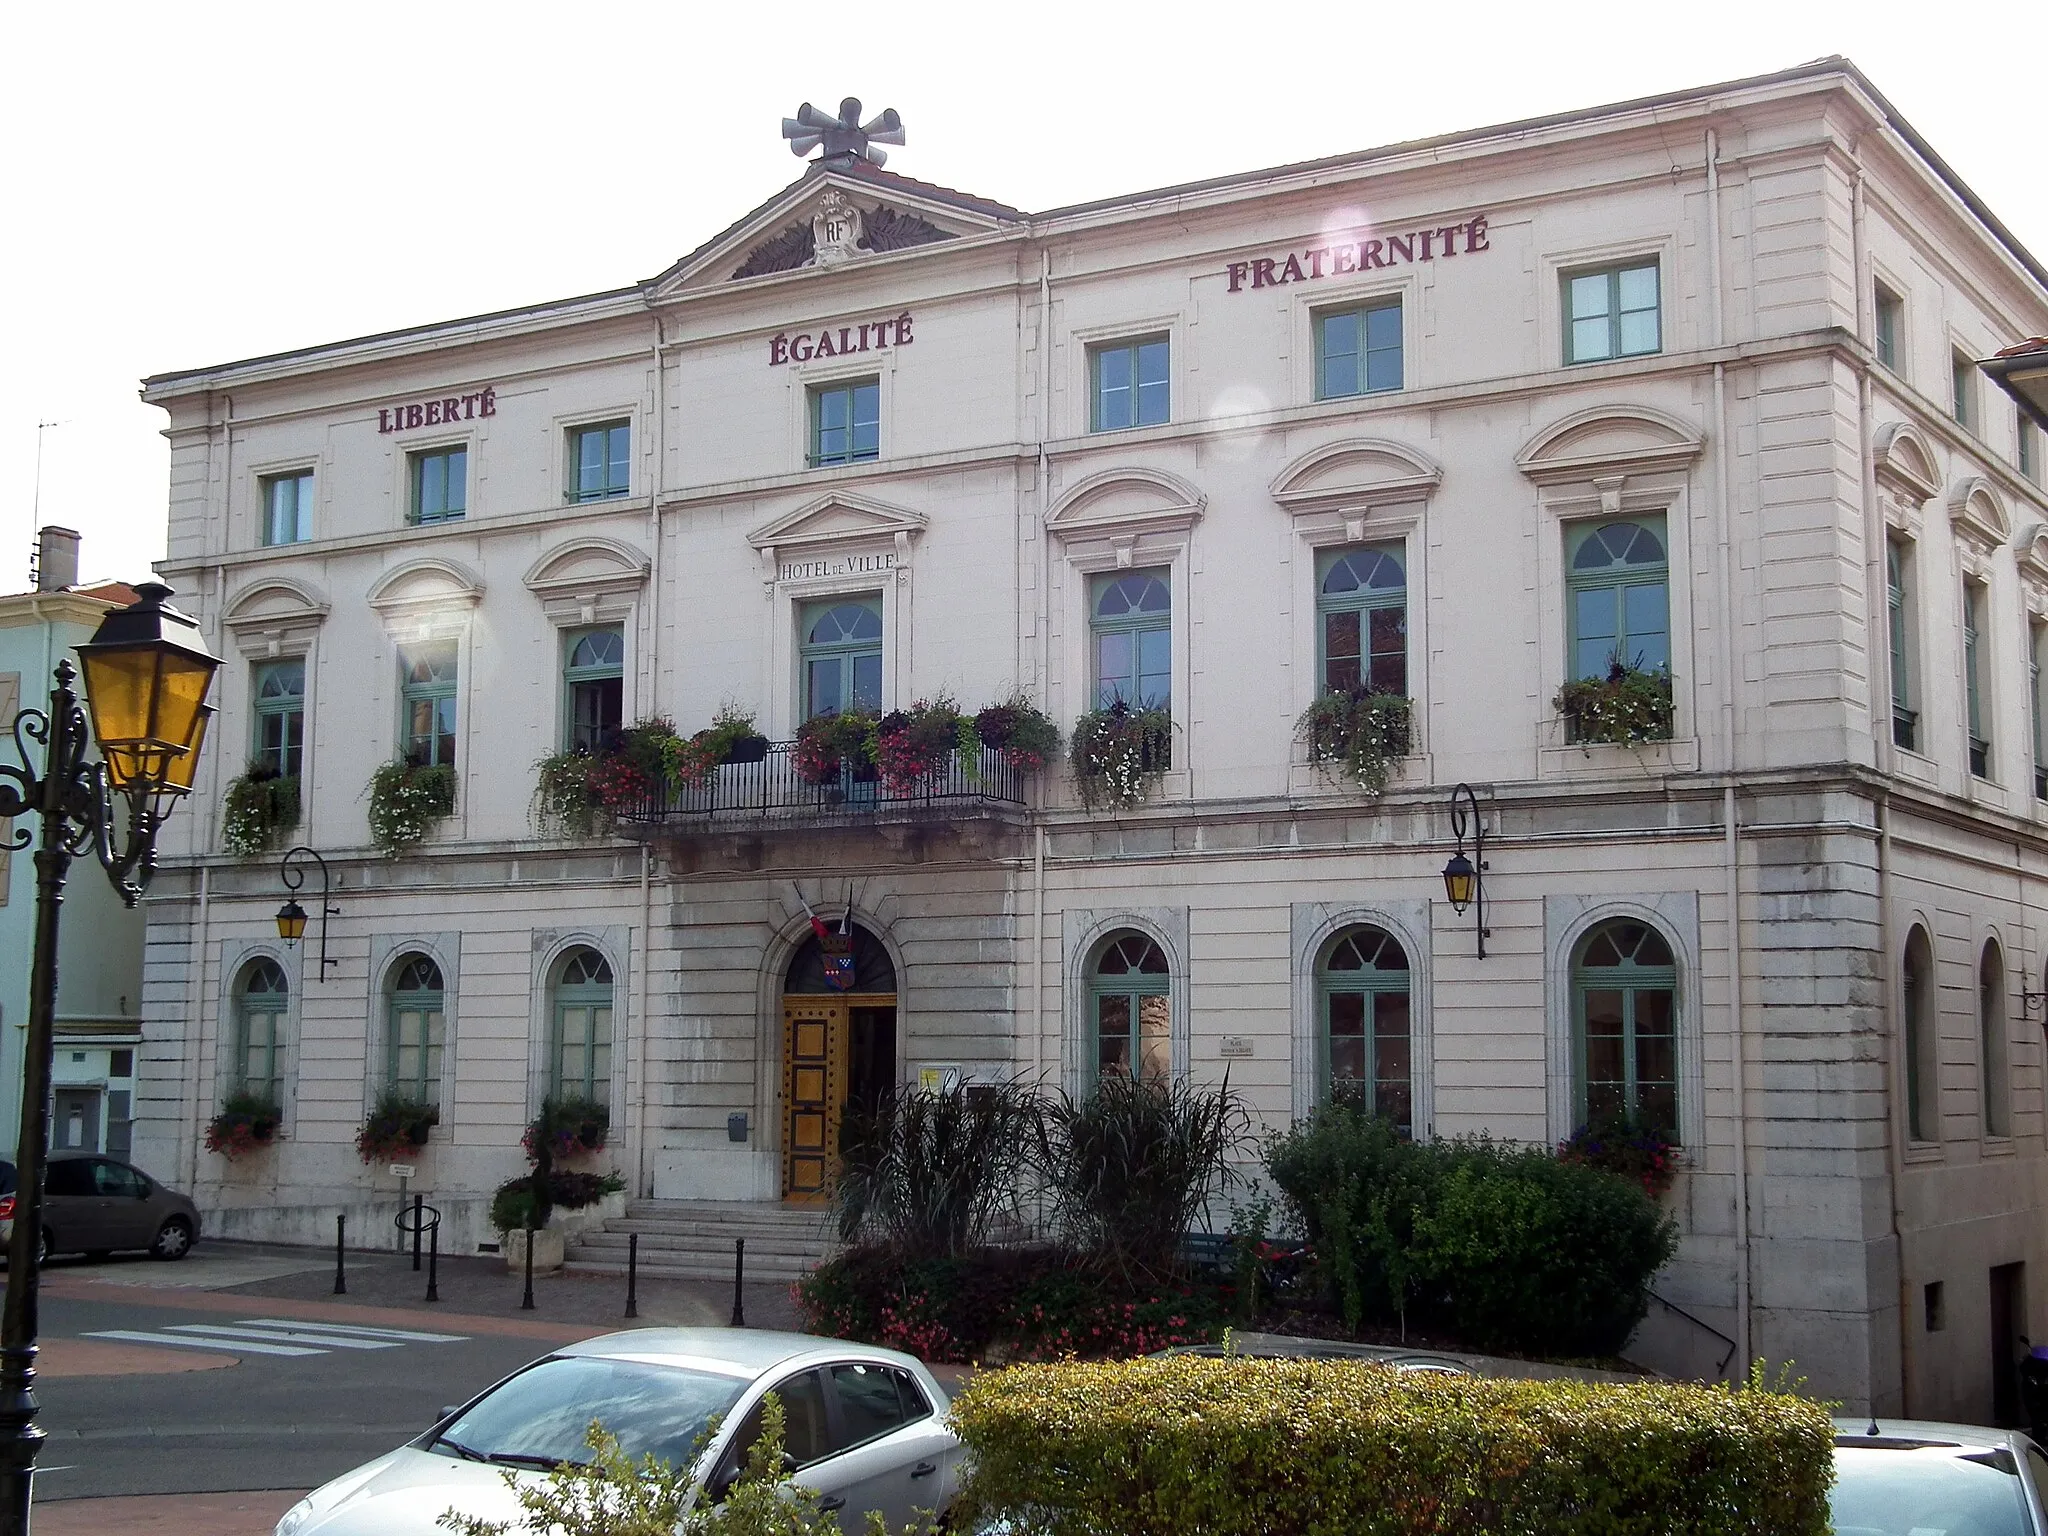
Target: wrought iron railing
(772,791)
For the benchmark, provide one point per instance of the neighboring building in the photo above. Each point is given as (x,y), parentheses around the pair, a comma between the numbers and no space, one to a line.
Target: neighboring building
(99,946)
(1685,380)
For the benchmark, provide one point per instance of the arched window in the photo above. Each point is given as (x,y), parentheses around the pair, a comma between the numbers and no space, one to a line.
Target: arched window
(1991,1030)
(842,656)
(262,999)
(1363,601)
(414,1025)
(1132,622)
(581,1057)
(1130,1008)
(596,680)
(1619,579)
(1363,979)
(1922,1117)
(1625,1006)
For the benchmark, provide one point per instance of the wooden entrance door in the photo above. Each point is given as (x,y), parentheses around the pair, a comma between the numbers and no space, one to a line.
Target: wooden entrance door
(814,1049)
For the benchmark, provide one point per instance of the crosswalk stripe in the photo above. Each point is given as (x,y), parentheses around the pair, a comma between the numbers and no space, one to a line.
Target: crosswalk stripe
(406,1334)
(283,1336)
(188,1341)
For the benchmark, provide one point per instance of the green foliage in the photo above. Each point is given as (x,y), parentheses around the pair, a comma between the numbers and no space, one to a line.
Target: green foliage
(1131,1167)
(1117,754)
(827,743)
(570,1190)
(1501,1246)
(1627,707)
(1647,1154)
(396,1127)
(257,807)
(1326,1447)
(908,745)
(569,1126)
(1020,730)
(1358,734)
(561,795)
(406,801)
(932,1174)
(691,761)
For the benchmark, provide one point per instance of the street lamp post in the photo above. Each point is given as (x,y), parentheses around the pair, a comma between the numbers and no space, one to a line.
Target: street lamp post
(147,673)
(1465,879)
(291,917)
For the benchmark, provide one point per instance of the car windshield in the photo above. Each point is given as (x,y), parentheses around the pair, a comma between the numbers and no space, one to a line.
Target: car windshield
(1905,1492)
(542,1416)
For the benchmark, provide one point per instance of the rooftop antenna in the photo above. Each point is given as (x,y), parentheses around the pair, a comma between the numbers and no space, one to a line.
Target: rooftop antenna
(845,138)
(35,520)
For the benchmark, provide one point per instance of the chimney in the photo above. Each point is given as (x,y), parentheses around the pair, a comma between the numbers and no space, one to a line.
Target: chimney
(56,559)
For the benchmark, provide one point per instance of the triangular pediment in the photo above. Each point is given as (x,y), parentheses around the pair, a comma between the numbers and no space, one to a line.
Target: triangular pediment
(837,518)
(827,220)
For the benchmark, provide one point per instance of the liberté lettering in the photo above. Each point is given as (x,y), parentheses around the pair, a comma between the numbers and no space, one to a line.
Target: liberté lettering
(801,348)
(1361,255)
(435,413)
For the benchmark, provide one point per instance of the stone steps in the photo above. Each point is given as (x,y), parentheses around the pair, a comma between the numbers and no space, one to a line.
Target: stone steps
(693,1240)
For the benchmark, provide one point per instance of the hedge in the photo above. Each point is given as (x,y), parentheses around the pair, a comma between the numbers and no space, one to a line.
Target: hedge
(1333,1448)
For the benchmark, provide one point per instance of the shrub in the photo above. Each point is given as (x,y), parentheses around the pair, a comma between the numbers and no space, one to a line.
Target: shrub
(1118,753)
(1646,1154)
(1630,705)
(1358,734)
(1021,731)
(406,801)
(1131,1167)
(257,807)
(932,1174)
(1191,1444)
(397,1126)
(571,1191)
(244,1122)
(1504,1247)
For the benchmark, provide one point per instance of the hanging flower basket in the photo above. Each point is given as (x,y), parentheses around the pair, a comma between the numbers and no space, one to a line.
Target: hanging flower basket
(1118,754)
(406,801)
(911,745)
(1021,731)
(1646,1154)
(1627,707)
(245,1123)
(257,807)
(827,743)
(397,1127)
(730,738)
(570,1127)
(1357,734)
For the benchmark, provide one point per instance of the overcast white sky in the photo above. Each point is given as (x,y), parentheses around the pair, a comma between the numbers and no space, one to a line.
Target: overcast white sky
(191,183)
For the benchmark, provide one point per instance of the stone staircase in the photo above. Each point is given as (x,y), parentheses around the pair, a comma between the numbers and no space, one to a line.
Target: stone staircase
(693,1240)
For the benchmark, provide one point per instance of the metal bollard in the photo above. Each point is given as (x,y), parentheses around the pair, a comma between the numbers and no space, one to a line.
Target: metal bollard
(417,1202)
(739,1274)
(340,1280)
(526,1305)
(632,1274)
(434,1263)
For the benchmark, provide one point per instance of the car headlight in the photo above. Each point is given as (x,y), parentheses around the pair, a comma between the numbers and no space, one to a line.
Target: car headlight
(296,1519)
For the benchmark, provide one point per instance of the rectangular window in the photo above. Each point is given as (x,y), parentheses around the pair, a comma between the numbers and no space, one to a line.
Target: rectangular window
(2027,453)
(1362,609)
(1130,385)
(288,508)
(846,423)
(429,696)
(440,485)
(1905,719)
(1974,681)
(1963,389)
(1611,313)
(1131,618)
(596,681)
(2037,676)
(281,716)
(1358,351)
(599,462)
(1889,311)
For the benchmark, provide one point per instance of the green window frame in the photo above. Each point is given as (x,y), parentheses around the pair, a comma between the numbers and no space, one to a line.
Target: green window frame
(1898,600)
(2027,448)
(1130,384)
(2037,694)
(1364,1005)
(416,1028)
(594,686)
(580,1040)
(1962,382)
(600,461)
(1130,1008)
(846,422)
(1612,312)
(1916,977)
(288,507)
(280,716)
(1888,310)
(1130,621)
(428,691)
(840,655)
(1359,349)
(1973,680)
(1625,1026)
(1618,596)
(439,485)
(1362,619)
(262,1005)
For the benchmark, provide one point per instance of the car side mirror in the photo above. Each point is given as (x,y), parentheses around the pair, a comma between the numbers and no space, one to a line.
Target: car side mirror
(447,1411)
(723,1484)
(789,1464)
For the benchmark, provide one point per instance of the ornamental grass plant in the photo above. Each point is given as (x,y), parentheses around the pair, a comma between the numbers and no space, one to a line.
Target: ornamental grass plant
(934,1175)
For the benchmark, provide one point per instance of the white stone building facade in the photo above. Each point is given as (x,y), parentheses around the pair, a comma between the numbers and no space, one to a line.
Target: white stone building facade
(1141,438)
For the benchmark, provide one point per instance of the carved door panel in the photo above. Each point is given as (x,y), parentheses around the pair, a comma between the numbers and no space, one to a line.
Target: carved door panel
(814,1060)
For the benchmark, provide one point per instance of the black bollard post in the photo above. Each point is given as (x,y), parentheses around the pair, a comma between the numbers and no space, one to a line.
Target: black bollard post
(739,1275)
(417,1202)
(434,1262)
(526,1304)
(632,1274)
(340,1280)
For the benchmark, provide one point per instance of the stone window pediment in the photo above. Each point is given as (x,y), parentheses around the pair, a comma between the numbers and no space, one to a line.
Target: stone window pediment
(1609,441)
(1109,512)
(428,595)
(833,528)
(1343,484)
(1978,515)
(276,616)
(588,580)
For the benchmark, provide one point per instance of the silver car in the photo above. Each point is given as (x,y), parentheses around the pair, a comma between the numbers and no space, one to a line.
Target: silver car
(866,1428)
(1899,1477)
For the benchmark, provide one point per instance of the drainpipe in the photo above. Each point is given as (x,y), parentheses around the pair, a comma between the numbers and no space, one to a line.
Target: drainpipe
(1044,689)
(639,1053)
(1730,848)
(650,651)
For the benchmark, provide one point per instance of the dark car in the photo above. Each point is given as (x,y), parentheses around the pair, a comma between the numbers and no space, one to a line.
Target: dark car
(95,1204)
